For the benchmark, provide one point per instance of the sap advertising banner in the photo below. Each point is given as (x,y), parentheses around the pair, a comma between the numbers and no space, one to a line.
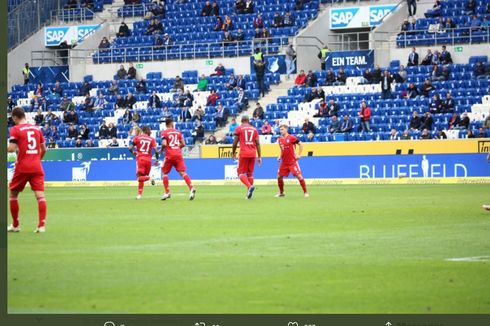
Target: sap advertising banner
(359,17)
(350,59)
(54,36)
(332,167)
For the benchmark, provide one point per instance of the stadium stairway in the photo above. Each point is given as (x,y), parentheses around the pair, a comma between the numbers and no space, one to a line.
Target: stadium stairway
(275,91)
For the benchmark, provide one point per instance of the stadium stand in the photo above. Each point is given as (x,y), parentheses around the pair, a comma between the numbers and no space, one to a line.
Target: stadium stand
(449,22)
(195,35)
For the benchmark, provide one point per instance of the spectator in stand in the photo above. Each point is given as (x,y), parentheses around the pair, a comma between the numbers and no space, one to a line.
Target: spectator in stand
(406,26)
(481,133)
(66,104)
(435,104)
(394,134)
(83,132)
(367,77)
(259,67)
(428,58)
(405,135)
(401,75)
(322,110)
(88,103)
(448,105)
(330,78)
(55,133)
(52,144)
(426,88)
(85,88)
(347,125)
(341,78)
(333,108)
(242,101)
(435,74)
(258,112)
(179,98)
(154,101)
(227,39)
(258,21)
(112,130)
(72,132)
(39,117)
(189,98)
(240,83)
(35,103)
(70,117)
(425,134)
(290,58)
(231,128)
(207,9)
(202,85)
(365,117)
(240,6)
(311,79)
(278,20)
(211,140)
(288,19)
(131,71)
(130,100)
(213,98)
(454,121)
(120,102)
(221,116)
(104,44)
(228,24)
(475,24)
(127,117)
(335,125)
(71,4)
(121,73)
(300,79)
(57,90)
(470,7)
(413,58)
(415,121)
(449,24)
(386,82)
(441,134)
(167,41)
(113,142)
(218,25)
(123,30)
(436,58)
(445,58)
(465,121)
(479,70)
(46,131)
(308,127)
(88,4)
(185,114)
(141,86)
(231,84)
(240,35)
(179,84)
(198,114)
(100,102)
(249,7)
(155,27)
(412,7)
(427,121)
(377,75)
(89,143)
(298,4)
(39,90)
(158,43)
(215,9)
(320,93)
(310,96)
(412,91)
(10,104)
(198,132)
(165,114)
(266,128)
(219,70)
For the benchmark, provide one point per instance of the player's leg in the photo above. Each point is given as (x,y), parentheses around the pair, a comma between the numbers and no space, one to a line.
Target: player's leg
(280,185)
(250,164)
(188,182)
(241,170)
(296,171)
(166,168)
(37,185)
(14,211)
(144,168)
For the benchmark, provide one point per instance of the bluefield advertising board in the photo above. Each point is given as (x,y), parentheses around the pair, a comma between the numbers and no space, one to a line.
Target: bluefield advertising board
(350,59)
(54,36)
(274,64)
(359,17)
(323,167)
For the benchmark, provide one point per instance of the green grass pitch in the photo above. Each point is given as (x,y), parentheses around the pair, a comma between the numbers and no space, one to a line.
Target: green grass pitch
(346,249)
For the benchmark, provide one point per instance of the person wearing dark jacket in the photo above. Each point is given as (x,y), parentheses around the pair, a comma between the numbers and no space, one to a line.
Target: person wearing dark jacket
(311,79)
(103,131)
(154,101)
(435,104)
(385,82)
(427,121)
(413,58)
(130,100)
(330,79)
(308,127)
(120,102)
(260,73)
(207,9)
(448,106)
(123,30)
(131,71)
(141,86)
(376,75)
(415,121)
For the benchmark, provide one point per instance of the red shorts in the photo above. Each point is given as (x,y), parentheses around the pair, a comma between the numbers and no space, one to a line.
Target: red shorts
(177,163)
(19,181)
(143,167)
(246,165)
(285,169)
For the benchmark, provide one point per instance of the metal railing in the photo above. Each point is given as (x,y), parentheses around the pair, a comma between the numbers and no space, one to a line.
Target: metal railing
(199,50)
(72,15)
(452,36)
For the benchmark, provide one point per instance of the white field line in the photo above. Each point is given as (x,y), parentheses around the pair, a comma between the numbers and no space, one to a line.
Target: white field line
(470,259)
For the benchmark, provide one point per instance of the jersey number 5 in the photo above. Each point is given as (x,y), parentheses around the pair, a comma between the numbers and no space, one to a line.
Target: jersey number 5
(31,141)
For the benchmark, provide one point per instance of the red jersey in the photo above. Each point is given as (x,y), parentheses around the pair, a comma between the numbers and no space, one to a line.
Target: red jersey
(288,147)
(247,136)
(173,138)
(144,144)
(28,139)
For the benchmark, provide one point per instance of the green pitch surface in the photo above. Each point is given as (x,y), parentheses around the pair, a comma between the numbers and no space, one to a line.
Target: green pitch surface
(346,249)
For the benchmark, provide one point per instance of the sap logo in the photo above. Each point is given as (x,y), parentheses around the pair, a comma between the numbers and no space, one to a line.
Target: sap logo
(342,17)
(83,31)
(56,35)
(376,14)
(80,173)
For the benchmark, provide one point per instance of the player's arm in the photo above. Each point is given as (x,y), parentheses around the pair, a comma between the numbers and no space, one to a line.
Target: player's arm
(43,150)
(233,148)
(259,151)
(130,148)
(164,144)
(300,150)
(12,146)
(157,155)
(181,143)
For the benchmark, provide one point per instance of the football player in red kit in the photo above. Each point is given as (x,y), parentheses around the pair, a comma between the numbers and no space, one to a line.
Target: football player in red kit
(145,145)
(248,137)
(172,142)
(289,160)
(28,141)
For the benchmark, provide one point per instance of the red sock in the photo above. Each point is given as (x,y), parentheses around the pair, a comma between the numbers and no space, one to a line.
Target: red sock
(143,178)
(244,180)
(141,184)
(280,184)
(41,204)
(14,210)
(303,185)
(188,181)
(251,180)
(165,184)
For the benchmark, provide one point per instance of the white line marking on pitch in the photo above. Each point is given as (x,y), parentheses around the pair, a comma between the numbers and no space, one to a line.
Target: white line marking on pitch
(470,259)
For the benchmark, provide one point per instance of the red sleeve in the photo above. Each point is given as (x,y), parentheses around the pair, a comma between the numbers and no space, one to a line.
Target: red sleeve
(153,143)
(294,139)
(163,135)
(14,137)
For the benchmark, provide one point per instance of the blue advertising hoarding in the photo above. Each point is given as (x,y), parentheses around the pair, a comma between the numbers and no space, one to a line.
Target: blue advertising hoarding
(359,17)
(54,36)
(332,167)
(274,64)
(362,59)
